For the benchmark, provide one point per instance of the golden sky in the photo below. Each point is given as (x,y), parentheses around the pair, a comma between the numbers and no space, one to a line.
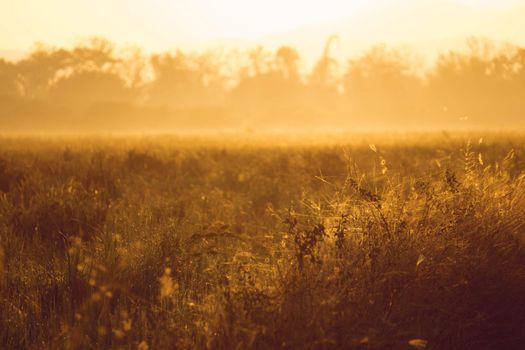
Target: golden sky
(165,24)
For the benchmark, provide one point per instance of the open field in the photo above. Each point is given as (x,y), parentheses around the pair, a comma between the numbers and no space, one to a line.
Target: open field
(249,242)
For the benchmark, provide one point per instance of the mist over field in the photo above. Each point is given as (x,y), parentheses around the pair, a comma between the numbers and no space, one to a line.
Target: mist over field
(96,86)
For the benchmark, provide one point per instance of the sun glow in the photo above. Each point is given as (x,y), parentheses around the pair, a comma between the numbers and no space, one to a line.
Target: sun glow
(252,19)
(158,23)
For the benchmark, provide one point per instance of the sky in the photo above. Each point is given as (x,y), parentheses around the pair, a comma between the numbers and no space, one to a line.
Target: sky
(158,25)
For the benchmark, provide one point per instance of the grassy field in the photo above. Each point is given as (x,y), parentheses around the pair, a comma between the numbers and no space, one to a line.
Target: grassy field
(250,242)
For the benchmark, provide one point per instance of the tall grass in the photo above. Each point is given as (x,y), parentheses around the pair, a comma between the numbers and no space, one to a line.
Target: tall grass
(376,243)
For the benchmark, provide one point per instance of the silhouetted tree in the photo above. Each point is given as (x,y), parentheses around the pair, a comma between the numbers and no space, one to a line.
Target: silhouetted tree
(8,78)
(324,74)
(39,70)
(482,84)
(287,60)
(184,81)
(45,65)
(380,86)
(324,83)
(273,92)
(90,74)
(133,67)
(96,54)
(261,61)
(85,88)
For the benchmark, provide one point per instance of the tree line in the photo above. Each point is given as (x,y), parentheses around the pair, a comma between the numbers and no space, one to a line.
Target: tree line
(94,85)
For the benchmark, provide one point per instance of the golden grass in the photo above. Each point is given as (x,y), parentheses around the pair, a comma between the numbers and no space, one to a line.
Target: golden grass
(233,242)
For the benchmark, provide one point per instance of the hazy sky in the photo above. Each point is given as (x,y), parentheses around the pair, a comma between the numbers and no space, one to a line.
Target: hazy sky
(164,24)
